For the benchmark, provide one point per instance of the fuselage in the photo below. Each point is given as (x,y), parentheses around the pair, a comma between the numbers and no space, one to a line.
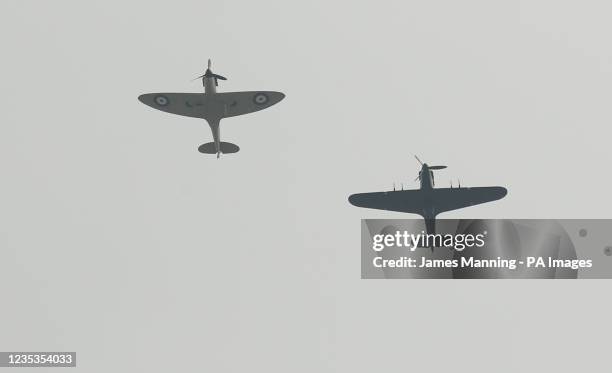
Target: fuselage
(210,88)
(426,177)
(210,85)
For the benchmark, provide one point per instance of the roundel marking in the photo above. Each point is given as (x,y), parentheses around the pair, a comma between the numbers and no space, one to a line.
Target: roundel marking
(161,100)
(260,98)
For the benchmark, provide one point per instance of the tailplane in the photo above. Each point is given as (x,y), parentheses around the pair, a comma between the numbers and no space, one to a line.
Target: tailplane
(224,147)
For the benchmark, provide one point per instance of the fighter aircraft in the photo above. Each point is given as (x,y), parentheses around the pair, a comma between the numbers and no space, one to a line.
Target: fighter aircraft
(428,201)
(212,107)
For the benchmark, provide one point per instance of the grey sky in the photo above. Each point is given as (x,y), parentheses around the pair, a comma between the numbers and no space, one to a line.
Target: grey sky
(121,242)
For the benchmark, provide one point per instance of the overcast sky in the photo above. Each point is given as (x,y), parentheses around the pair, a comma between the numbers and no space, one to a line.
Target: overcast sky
(120,241)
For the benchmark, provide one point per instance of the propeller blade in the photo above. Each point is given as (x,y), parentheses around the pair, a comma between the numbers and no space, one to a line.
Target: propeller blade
(209,63)
(417,158)
(219,77)
(437,167)
(199,77)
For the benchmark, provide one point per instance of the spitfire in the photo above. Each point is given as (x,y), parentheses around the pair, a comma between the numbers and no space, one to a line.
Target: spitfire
(212,107)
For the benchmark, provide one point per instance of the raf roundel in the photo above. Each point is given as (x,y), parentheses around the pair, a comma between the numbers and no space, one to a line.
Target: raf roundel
(161,100)
(260,98)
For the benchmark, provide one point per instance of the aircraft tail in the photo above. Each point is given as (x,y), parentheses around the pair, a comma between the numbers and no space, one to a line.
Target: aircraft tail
(224,147)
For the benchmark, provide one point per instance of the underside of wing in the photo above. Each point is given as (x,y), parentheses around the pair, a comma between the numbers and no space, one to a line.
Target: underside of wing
(213,106)
(238,103)
(186,104)
(447,199)
(427,203)
(410,201)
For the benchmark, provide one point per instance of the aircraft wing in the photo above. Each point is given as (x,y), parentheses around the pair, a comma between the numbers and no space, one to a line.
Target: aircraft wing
(186,104)
(435,200)
(411,201)
(218,105)
(238,103)
(447,199)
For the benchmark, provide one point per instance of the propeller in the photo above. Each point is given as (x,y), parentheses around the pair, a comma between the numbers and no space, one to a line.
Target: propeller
(210,74)
(430,167)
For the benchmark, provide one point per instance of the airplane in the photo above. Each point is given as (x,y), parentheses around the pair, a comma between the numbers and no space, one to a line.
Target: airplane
(428,201)
(212,107)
